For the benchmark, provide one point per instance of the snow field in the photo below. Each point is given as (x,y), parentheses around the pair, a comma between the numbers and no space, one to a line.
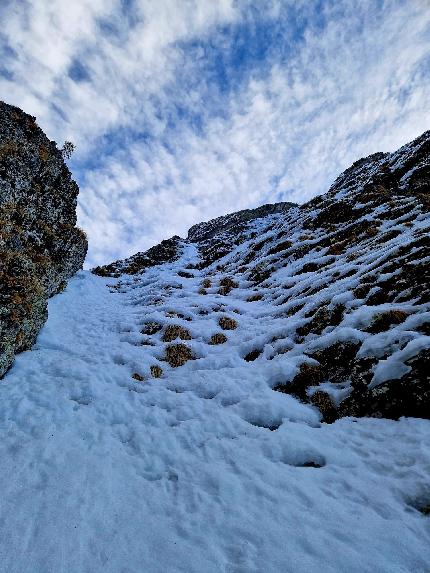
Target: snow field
(205,469)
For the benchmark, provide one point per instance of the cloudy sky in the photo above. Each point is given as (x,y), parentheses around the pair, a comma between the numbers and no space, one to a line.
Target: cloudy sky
(183,110)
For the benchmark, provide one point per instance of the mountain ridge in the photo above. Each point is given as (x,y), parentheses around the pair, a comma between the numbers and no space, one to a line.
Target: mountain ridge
(367,235)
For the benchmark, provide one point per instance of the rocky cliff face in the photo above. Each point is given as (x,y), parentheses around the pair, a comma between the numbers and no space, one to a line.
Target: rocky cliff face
(333,296)
(40,245)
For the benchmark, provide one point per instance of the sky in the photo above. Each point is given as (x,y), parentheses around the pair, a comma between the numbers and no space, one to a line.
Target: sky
(184,110)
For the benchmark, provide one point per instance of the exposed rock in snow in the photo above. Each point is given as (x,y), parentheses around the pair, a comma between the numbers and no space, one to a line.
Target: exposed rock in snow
(165,252)
(40,245)
(234,221)
(340,286)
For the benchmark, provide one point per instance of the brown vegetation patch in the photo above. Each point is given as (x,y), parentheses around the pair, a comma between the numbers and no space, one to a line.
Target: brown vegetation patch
(362,290)
(310,268)
(174,331)
(185,275)
(227,323)
(258,246)
(156,371)
(387,236)
(43,153)
(335,213)
(150,328)
(227,284)
(218,338)
(300,251)
(337,248)
(178,354)
(293,310)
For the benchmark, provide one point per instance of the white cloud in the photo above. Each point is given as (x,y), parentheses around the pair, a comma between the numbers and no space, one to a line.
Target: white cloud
(334,87)
(126,62)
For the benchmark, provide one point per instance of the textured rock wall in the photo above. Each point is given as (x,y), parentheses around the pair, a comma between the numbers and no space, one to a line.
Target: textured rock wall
(166,252)
(215,238)
(209,229)
(40,245)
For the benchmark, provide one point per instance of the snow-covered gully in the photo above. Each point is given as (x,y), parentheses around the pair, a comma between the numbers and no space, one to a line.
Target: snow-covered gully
(203,469)
(251,399)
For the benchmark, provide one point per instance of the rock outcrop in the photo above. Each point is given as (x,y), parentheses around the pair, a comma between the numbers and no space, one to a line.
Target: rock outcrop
(217,235)
(166,252)
(234,221)
(336,292)
(40,245)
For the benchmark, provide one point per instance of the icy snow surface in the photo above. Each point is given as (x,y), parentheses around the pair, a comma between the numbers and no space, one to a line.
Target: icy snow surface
(205,469)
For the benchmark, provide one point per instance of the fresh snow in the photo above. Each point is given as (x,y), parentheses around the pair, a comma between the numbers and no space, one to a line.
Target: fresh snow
(206,469)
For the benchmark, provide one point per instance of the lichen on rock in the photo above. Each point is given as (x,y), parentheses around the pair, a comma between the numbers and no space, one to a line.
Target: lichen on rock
(40,245)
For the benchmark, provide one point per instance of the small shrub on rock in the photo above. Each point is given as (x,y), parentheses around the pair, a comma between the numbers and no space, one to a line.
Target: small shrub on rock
(68,149)
(206,283)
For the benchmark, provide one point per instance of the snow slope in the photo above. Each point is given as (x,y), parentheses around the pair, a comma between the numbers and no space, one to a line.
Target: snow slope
(205,469)
(116,459)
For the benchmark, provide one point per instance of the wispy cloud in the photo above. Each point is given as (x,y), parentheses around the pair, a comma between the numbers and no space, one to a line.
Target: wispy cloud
(185,110)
